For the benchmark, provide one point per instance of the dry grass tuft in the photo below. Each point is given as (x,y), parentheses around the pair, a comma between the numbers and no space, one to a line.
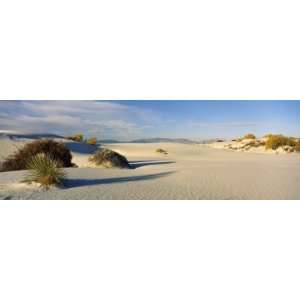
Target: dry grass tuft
(297,146)
(76,138)
(249,136)
(92,141)
(276,141)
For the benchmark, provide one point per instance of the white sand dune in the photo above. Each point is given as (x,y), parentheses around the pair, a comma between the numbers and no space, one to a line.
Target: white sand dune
(187,172)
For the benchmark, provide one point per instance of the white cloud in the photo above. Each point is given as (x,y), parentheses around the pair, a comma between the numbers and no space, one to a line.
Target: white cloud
(103,119)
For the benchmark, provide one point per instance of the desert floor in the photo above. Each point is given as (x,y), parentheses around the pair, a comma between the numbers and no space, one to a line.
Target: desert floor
(187,172)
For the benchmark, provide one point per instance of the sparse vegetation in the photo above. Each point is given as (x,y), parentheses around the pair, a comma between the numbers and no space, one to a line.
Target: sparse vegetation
(76,138)
(56,150)
(92,141)
(276,141)
(297,146)
(249,136)
(44,170)
(162,151)
(109,159)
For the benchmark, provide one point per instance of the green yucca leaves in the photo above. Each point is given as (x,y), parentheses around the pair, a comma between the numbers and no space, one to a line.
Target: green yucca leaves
(45,171)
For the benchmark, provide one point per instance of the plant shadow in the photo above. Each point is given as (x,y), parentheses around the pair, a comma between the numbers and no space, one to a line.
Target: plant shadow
(141,163)
(72,183)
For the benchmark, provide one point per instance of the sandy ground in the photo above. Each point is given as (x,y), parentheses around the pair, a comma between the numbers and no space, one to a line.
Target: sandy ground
(187,172)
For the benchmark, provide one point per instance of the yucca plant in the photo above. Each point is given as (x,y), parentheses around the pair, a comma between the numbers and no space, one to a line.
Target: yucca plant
(45,170)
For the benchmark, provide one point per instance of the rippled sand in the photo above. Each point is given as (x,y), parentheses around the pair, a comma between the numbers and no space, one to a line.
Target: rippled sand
(187,172)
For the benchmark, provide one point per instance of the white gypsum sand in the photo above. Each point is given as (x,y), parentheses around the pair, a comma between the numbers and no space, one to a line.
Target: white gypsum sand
(187,172)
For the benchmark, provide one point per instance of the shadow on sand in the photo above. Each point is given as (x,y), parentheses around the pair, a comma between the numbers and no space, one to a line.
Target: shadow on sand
(72,183)
(81,147)
(141,163)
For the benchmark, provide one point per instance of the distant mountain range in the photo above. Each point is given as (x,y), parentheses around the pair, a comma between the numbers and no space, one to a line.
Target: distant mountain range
(35,136)
(108,141)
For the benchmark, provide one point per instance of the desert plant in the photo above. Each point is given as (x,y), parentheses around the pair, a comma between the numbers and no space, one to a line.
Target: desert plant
(276,141)
(44,170)
(268,135)
(56,150)
(92,141)
(109,159)
(162,151)
(297,146)
(76,138)
(250,136)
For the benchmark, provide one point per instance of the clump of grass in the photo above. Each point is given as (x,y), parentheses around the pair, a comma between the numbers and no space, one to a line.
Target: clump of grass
(44,170)
(276,141)
(109,159)
(92,141)
(249,136)
(162,151)
(56,150)
(297,146)
(76,138)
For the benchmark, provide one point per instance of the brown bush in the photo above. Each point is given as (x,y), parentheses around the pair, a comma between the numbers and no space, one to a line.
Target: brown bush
(92,141)
(76,138)
(276,141)
(109,159)
(162,151)
(250,136)
(297,146)
(19,160)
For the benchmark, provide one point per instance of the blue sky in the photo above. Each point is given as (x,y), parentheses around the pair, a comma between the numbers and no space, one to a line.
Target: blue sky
(126,120)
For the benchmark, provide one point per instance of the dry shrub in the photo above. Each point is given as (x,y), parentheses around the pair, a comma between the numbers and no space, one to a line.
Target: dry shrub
(44,170)
(92,141)
(276,141)
(162,151)
(56,150)
(76,138)
(297,146)
(109,159)
(250,136)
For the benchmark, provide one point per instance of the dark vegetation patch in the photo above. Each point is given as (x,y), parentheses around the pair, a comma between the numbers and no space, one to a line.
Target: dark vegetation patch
(161,151)
(109,159)
(19,160)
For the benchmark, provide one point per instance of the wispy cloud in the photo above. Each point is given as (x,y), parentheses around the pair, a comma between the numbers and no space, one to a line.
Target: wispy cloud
(101,118)
(225,124)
